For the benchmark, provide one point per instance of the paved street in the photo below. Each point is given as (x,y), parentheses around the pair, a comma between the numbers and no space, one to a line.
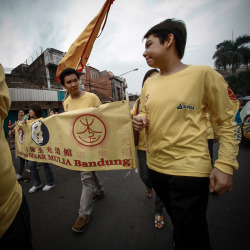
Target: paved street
(123,219)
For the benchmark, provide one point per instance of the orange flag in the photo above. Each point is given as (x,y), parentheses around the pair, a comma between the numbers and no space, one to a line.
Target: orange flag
(78,53)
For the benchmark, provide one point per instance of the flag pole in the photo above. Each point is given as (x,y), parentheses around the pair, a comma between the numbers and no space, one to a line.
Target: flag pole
(78,63)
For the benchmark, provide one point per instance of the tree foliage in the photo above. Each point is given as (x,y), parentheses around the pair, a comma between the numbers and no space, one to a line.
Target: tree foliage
(240,84)
(232,53)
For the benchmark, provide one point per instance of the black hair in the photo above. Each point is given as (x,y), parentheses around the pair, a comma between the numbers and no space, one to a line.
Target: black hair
(37,109)
(20,110)
(148,73)
(170,26)
(67,72)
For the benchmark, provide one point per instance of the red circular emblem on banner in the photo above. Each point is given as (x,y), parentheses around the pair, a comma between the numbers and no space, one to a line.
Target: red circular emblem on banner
(89,130)
(231,93)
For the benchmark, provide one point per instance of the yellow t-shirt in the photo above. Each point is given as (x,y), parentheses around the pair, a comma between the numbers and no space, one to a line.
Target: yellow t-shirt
(10,191)
(88,100)
(142,136)
(176,107)
(210,131)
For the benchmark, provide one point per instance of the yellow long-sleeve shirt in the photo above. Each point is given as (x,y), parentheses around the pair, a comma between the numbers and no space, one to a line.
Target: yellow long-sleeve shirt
(176,107)
(212,129)
(10,190)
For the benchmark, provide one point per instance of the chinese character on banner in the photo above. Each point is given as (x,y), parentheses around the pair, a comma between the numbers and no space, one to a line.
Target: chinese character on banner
(124,131)
(67,152)
(126,152)
(32,149)
(89,130)
(49,150)
(40,151)
(60,137)
(125,141)
(57,151)
(102,153)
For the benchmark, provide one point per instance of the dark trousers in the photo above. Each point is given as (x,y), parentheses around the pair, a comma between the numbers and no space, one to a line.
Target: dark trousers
(145,177)
(185,199)
(18,235)
(211,149)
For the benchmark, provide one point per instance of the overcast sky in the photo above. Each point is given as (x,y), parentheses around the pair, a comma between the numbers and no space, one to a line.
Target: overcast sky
(26,26)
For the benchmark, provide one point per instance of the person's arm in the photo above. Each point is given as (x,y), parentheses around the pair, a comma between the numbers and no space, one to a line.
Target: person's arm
(4,95)
(216,132)
(222,106)
(139,121)
(133,110)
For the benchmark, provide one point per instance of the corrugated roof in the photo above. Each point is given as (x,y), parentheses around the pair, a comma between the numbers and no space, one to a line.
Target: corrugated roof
(39,95)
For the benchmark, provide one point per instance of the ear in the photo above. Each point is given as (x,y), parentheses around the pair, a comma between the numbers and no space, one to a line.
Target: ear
(170,40)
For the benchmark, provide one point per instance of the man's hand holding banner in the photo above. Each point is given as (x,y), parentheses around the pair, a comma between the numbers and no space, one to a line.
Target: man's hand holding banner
(89,139)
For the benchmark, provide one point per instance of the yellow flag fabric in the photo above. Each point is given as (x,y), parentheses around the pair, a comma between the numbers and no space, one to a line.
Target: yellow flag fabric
(89,139)
(82,46)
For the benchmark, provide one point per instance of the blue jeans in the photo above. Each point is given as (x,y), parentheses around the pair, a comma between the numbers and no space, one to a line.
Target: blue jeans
(21,165)
(35,175)
(146,179)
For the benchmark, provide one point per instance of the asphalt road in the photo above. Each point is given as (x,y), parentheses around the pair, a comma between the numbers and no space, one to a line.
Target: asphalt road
(123,218)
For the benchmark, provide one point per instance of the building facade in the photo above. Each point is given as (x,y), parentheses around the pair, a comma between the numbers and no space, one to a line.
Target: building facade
(36,83)
(104,83)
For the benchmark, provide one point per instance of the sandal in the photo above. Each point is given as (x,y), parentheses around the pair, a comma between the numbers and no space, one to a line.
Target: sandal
(149,192)
(159,221)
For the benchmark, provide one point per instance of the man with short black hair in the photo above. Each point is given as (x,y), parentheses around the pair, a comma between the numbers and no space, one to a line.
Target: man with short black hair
(174,107)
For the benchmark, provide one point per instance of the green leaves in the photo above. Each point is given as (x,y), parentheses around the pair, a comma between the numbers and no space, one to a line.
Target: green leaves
(240,84)
(232,53)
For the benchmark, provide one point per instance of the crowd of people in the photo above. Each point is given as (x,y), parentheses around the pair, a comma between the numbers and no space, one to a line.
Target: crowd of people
(177,103)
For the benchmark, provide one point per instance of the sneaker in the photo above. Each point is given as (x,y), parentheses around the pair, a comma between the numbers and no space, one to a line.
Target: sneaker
(80,224)
(33,189)
(18,176)
(27,170)
(98,196)
(47,187)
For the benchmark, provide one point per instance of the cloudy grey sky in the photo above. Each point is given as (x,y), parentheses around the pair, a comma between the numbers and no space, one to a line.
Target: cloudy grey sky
(27,25)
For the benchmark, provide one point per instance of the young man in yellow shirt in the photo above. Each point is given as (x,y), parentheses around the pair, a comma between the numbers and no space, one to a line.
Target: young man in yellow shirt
(92,188)
(174,106)
(15,231)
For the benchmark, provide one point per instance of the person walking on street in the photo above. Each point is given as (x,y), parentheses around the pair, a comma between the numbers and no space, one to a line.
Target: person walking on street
(92,188)
(35,113)
(15,230)
(19,173)
(143,168)
(174,105)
